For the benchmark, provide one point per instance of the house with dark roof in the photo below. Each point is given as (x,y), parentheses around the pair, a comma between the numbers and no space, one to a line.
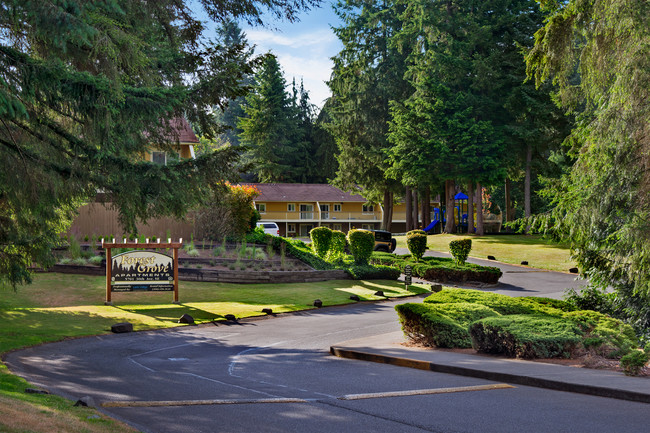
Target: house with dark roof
(298,208)
(180,133)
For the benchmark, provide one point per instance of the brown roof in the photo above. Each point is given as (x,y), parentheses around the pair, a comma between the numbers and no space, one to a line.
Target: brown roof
(306,192)
(181,130)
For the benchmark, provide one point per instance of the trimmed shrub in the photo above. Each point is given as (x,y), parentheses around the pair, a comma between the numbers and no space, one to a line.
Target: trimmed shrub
(362,242)
(417,244)
(525,336)
(460,250)
(416,232)
(321,238)
(337,245)
(440,269)
(440,325)
(633,362)
(377,272)
(500,303)
(604,335)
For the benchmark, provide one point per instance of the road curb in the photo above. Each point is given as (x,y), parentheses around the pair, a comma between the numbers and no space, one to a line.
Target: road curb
(537,382)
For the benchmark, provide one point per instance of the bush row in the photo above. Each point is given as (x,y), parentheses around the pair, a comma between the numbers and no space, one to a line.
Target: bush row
(439,269)
(525,327)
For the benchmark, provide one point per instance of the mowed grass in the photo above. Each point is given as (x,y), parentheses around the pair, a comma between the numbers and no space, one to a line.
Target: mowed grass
(59,306)
(538,251)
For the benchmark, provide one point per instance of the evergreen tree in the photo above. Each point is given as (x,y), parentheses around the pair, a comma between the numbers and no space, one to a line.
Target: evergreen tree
(465,67)
(368,73)
(270,128)
(232,37)
(84,89)
(599,55)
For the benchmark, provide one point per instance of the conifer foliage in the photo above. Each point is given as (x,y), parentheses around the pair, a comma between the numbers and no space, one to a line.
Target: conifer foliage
(84,86)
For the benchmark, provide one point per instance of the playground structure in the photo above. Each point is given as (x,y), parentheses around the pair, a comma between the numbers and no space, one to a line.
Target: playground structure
(491,222)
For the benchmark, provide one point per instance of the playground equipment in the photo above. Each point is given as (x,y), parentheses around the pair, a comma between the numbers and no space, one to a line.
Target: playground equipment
(458,211)
(436,219)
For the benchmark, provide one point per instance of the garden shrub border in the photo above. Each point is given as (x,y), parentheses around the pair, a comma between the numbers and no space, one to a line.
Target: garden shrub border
(438,269)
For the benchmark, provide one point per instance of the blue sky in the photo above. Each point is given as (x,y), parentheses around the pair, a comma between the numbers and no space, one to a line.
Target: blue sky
(303,48)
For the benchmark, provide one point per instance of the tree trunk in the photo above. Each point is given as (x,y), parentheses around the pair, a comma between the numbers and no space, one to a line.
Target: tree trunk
(387,218)
(416,209)
(450,191)
(529,158)
(426,207)
(409,209)
(509,209)
(470,207)
(480,231)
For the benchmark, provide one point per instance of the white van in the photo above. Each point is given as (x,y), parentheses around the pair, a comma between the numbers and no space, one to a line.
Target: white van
(270,228)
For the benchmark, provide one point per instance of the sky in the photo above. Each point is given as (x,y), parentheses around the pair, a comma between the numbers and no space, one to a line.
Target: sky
(304,48)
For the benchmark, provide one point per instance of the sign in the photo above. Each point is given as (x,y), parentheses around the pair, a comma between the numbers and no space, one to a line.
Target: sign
(408,279)
(142,270)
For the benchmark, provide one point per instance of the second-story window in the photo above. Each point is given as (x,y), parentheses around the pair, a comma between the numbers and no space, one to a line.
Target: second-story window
(261,207)
(337,208)
(291,207)
(368,208)
(159,158)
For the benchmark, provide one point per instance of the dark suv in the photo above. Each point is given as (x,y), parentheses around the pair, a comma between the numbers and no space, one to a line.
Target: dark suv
(384,241)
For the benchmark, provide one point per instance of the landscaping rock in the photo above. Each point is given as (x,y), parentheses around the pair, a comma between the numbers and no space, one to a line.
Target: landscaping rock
(355,298)
(436,287)
(267,311)
(380,293)
(120,328)
(574,270)
(36,391)
(230,317)
(86,402)
(318,303)
(186,318)
(525,263)
(491,258)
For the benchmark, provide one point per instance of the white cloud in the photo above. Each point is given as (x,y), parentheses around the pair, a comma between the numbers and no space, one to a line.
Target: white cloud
(267,38)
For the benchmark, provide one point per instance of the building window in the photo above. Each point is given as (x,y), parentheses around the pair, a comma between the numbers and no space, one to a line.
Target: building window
(291,207)
(261,207)
(337,208)
(325,211)
(368,208)
(159,158)
(291,228)
(338,227)
(368,226)
(306,212)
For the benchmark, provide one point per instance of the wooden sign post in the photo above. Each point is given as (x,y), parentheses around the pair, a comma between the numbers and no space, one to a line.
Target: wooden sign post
(141,270)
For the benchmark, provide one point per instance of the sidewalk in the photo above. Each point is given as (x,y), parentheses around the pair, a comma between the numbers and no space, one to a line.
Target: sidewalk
(387,349)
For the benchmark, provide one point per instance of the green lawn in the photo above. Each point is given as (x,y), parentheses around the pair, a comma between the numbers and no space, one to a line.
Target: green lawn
(58,306)
(538,251)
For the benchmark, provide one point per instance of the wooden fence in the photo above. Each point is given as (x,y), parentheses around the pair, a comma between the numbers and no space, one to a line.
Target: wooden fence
(101,220)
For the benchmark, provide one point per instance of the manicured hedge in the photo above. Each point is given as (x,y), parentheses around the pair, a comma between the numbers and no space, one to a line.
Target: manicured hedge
(441,325)
(321,238)
(526,327)
(501,303)
(440,269)
(370,272)
(416,243)
(526,336)
(460,249)
(361,243)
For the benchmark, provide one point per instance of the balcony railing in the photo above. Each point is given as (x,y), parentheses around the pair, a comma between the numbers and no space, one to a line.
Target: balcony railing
(324,216)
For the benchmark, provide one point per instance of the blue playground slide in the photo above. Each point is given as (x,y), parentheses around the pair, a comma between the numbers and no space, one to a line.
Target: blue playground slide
(431,226)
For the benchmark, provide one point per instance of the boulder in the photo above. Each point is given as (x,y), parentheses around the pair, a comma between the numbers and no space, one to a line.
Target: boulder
(120,328)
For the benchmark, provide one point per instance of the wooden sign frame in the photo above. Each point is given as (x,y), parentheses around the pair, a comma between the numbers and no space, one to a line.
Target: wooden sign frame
(143,246)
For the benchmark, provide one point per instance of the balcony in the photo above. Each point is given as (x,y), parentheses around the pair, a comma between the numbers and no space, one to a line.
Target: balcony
(324,217)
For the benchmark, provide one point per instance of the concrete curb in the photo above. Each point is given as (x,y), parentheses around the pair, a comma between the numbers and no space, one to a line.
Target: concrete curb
(555,385)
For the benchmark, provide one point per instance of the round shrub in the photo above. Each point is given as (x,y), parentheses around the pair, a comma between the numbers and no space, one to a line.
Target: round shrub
(337,245)
(321,238)
(417,244)
(362,242)
(460,250)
